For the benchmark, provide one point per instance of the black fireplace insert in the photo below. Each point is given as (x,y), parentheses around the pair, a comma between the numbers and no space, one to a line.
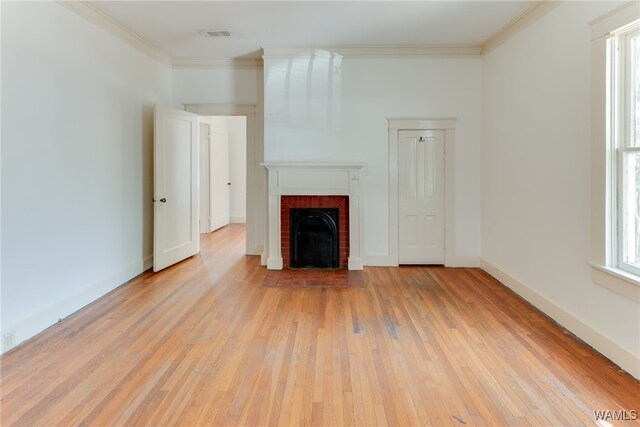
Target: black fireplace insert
(314,238)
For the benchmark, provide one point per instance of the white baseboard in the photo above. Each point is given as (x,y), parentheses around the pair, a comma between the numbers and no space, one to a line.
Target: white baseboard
(355,264)
(389,261)
(380,261)
(275,263)
(38,322)
(147,263)
(238,219)
(466,261)
(254,250)
(617,354)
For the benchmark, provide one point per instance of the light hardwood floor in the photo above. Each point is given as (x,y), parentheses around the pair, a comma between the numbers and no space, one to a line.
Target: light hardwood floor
(204,343)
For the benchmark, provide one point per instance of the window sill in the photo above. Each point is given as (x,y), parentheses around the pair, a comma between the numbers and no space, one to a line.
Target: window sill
(619,281)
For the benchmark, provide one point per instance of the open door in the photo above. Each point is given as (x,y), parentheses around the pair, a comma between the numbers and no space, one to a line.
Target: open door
(219,178)
(176,227)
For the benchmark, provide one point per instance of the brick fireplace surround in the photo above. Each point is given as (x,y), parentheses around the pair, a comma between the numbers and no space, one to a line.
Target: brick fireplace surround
(306,184)
(340,202)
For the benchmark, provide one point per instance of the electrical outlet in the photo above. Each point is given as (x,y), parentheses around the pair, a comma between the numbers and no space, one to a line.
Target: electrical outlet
(9,341)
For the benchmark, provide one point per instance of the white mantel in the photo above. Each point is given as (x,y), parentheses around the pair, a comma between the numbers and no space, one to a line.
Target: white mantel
(314,179)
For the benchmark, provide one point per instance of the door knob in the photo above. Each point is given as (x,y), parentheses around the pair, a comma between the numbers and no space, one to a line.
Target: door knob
(228,183)
(163,200)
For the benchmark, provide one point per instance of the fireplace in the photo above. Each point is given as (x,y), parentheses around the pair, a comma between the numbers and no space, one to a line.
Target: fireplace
(314,238)
(314,185)
(318,212)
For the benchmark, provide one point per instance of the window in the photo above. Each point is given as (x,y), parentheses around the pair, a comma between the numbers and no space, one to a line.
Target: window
(615,152)
(624,129)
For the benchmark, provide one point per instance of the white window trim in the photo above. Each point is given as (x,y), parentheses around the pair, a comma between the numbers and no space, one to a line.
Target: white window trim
(619,281)
(619,132)
(617,249)
(604,262)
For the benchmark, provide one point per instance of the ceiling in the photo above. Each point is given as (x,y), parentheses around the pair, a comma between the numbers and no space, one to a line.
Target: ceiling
(172,26)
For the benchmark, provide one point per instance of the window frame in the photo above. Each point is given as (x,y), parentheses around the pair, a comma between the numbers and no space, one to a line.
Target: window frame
(603,210)
(620,66)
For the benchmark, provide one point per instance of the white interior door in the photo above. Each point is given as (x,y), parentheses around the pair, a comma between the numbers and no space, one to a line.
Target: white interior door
(205,217)
(421,197)
(219,178)
(175,187)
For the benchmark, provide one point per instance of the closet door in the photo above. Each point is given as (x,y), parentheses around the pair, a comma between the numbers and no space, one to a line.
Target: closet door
(421,197)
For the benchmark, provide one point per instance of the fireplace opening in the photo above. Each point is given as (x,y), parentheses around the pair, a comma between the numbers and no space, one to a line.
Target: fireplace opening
(314,238)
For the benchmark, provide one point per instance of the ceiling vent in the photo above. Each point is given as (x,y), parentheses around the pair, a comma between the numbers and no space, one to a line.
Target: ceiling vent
(214,33)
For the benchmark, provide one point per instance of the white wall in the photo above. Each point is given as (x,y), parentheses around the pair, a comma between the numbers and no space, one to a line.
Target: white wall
(535,177)
(345,119)
(217,86)
(77,115)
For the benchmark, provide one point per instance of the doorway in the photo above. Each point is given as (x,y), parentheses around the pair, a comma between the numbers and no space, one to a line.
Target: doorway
(255,200)
(223,171)
(421,197)
(414,128)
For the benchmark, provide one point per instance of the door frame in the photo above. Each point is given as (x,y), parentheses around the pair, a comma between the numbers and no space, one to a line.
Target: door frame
(207,205)
(255,174)
(448,126)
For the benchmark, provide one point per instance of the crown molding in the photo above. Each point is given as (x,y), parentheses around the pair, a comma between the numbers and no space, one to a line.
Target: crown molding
(614,20)
(417,124)
(235,63)
(375,52)
(88,12)
(96,17)
(532,14)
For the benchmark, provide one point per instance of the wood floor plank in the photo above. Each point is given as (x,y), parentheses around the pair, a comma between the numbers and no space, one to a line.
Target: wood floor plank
(204,343)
